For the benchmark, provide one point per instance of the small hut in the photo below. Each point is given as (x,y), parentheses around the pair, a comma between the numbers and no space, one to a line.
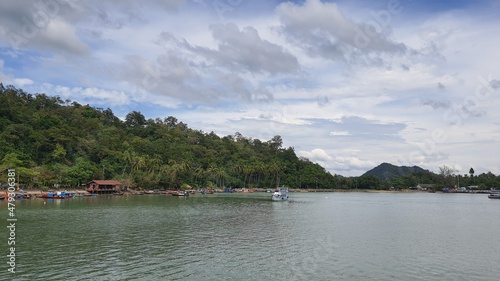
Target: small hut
(103,186)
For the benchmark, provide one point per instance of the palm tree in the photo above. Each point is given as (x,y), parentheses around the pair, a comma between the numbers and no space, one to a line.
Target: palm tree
(471,172)
(134,119)
(276,169)
(212,170)
(139,163)
(259,169)
(177,169)
(220,173)
(239,169)
(247,171)
(199,173)
(154,164)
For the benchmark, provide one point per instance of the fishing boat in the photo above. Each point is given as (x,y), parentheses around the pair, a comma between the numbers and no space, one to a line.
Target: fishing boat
(180,193)
(494,195)
(280,195)
(57,195)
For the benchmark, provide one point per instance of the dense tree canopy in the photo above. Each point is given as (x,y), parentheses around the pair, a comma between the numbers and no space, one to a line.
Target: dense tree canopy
(50,141)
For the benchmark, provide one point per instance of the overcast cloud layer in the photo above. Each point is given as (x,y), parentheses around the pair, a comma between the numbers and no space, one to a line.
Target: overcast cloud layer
(348,84)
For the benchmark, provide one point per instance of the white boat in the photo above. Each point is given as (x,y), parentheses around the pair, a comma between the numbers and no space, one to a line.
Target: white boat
(280,195)
(180,193)
(494,195)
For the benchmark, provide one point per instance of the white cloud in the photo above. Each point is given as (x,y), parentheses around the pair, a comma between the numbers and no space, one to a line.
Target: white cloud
(323,31)
(92,96)
(340,133)
(315,155)
(61,35)
(21,82)
(294,70)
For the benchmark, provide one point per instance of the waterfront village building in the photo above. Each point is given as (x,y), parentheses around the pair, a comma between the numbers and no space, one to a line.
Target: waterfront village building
(103,186)
(423,186)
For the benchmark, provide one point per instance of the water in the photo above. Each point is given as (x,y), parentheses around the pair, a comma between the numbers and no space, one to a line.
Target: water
(314,236)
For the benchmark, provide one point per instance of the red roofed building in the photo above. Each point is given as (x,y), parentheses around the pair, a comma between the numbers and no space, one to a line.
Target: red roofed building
(103,186)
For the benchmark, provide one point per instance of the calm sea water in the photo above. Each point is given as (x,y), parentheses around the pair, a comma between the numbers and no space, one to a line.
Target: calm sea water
(314,236)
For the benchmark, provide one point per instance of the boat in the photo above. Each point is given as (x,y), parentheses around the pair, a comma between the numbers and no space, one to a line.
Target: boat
(494,195)
(180,193)
(57,195)
(22,196)
(279,195)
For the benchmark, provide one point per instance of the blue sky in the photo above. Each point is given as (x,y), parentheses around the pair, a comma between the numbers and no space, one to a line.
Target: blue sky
(348,84)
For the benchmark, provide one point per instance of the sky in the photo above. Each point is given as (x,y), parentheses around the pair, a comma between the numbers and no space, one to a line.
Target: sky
(347,84)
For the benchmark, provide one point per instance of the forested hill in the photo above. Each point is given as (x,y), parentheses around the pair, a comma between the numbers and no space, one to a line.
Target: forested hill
(386,171)
(50,141)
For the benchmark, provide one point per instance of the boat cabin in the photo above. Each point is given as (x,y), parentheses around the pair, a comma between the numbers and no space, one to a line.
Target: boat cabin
(103,186)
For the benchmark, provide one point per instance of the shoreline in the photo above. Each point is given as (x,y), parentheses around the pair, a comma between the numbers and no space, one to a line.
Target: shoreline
(83,191)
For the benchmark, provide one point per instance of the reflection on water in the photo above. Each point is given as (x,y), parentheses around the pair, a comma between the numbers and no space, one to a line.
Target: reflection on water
(335,236)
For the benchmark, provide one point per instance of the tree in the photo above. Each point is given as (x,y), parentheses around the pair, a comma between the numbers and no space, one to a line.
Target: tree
(135,119)
(471,172)
(446,171)
(65,140)
(276,142)
(276,169)
(82,171)
(59,153)
(368,182)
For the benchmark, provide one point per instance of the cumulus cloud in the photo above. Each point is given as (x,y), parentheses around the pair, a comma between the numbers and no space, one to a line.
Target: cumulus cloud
(21,82)
(245,50)
(316,155)
(54,24)
(238,50)
(349,162)
(204,75)
(60,35)
(39,25)
(185,80)
(93,96)
(323,31)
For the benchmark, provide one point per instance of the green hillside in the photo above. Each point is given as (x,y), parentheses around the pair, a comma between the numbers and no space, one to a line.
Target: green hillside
(50,141)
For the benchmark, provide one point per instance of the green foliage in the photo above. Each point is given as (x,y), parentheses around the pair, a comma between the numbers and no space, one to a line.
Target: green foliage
(49,141)
(65,143)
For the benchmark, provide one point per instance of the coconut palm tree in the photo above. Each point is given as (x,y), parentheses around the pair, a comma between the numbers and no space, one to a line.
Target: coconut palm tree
(199,173)
(220,173)
(259,168)
(276,169)
(471,172)
(154,164)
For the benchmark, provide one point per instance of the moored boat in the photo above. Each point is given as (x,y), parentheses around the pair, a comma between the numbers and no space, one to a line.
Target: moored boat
(57,195)
(180,193)
(280,195)
(494,195)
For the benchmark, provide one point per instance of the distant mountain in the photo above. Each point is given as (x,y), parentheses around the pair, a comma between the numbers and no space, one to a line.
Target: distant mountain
(387,171)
